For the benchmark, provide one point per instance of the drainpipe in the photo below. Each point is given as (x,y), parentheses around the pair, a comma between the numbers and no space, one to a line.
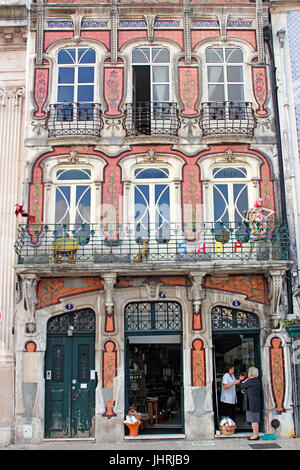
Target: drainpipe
(268,39)
(281,35)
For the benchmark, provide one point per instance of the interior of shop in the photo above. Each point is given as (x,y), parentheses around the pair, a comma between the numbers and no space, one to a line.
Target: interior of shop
(154,372)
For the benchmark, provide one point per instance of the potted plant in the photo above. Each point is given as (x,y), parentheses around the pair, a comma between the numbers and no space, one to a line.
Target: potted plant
(292,327)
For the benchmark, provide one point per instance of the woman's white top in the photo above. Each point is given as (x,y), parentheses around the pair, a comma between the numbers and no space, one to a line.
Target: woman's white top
(229,395)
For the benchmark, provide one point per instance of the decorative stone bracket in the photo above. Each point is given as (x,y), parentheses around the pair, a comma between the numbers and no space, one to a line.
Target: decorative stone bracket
(275,290)
(29,291)
(109,281)
(198,295)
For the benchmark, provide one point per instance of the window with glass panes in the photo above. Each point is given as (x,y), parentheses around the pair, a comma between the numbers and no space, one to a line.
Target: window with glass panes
(225,75)
(152,203)
(151,74)
(73,196)
(75,84)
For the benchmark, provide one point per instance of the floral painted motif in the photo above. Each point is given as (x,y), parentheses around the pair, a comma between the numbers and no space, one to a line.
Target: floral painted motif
(41,91)
(188,89)
(198,364)
(277,373)
(52,290)
(111,219)
(260,88)
(253,286)
(113,90)
(109,373)
(191,206)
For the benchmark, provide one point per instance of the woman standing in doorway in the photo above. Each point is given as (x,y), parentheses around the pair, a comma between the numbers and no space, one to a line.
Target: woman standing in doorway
(228,392)
(251,404)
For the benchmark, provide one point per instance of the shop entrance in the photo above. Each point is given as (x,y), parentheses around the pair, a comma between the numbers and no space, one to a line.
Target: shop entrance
(154,375)
(236,342)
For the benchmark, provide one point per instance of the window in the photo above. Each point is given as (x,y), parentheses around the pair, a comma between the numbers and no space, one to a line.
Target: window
(152,204)
(75,84)
(73,197)
(230,196)
(225,74)
(225,82)
(152,111)
(151,80)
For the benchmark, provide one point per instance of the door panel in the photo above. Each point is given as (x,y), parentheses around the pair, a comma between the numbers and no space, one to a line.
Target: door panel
(70,385)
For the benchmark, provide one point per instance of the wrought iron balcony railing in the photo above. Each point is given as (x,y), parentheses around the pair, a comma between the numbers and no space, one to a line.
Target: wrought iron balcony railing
(151,118)
(75,119)
(227,118)
(55,244)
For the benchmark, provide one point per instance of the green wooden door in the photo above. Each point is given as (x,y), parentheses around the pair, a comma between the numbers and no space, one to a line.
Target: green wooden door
(70,375)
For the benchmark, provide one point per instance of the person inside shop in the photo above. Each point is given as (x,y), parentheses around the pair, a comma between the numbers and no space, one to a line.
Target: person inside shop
(251,402)
(228,397)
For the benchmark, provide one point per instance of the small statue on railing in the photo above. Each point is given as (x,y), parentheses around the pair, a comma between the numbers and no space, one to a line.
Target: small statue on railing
(20,210)
(258,217)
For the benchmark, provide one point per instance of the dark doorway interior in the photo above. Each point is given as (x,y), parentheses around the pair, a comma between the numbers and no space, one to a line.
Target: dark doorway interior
(241,350)
(154,386)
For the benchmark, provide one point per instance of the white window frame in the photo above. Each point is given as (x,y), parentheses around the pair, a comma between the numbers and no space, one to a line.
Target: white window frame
(152,64)
(73,184)
(75,66)
(224,65)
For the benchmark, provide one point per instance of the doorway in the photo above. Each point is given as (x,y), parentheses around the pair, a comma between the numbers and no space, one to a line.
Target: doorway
(154,372)
(70,375)
(236,341)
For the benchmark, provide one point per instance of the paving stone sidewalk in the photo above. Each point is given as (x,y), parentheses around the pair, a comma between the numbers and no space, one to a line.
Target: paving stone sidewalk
(222,444)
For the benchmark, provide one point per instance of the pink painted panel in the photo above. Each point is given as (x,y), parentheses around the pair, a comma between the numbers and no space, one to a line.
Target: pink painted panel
(260,88)
(41,83)
(188,89)
(113,89)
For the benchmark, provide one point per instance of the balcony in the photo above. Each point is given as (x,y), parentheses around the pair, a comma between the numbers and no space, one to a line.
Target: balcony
(169,245)
(151,118)
(230,118)
(74,119)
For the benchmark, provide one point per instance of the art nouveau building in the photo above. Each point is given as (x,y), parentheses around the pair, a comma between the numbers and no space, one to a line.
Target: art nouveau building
(150,133)
(285,21)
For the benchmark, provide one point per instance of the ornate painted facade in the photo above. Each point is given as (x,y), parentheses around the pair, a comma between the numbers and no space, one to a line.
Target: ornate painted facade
(150,133)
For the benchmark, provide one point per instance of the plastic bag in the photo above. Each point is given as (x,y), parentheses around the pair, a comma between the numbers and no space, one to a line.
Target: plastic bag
(226,421)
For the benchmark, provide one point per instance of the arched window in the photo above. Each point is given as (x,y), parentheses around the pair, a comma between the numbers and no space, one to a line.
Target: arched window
(152,199)
(75,84)
(230,193)
(225,89)
(151,74)
(151,110)
(230,318)
(73,196)
(225,76)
